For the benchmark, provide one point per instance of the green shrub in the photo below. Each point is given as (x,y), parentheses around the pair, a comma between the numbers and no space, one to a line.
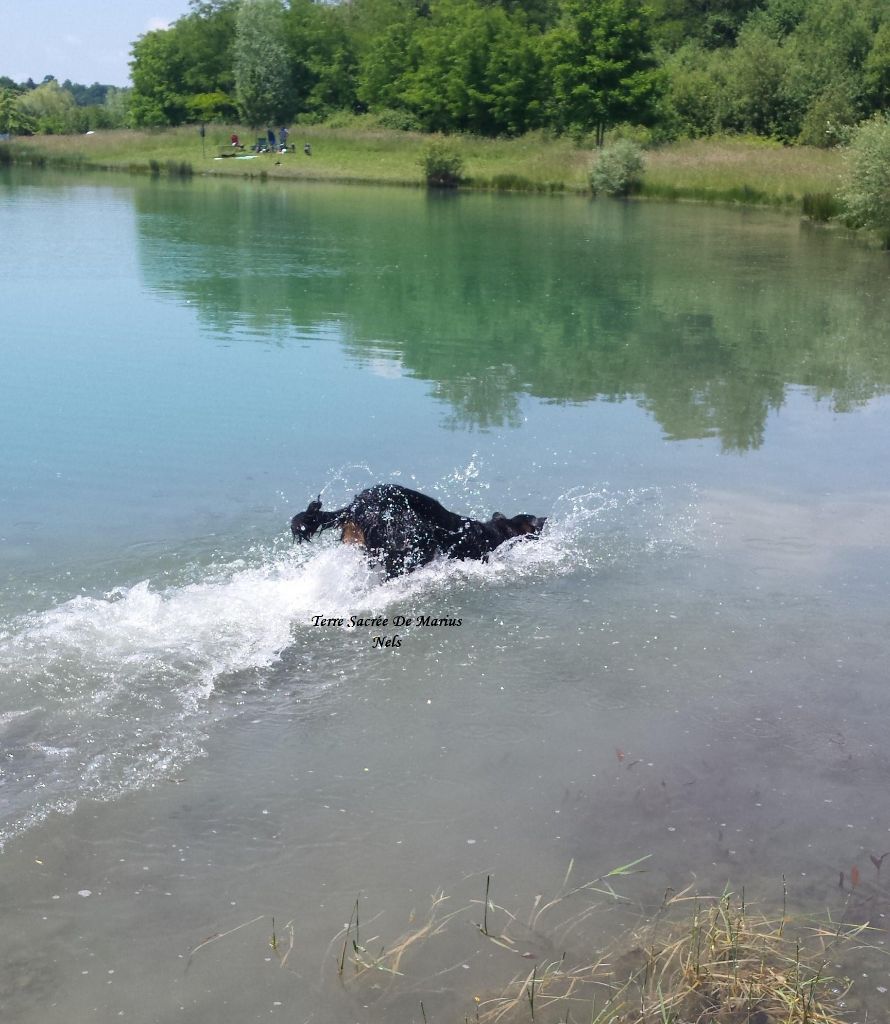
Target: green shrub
(342,119)
(865,192)
(309,118)
(442,164)
(618,169)
(829,120)
(643,136)
(398,120)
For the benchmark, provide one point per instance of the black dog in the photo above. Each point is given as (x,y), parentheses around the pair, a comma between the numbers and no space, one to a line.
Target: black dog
(405,529)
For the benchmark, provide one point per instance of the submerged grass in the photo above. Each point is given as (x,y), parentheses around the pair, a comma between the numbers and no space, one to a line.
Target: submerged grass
(719,961)
(701,959)
(722,170)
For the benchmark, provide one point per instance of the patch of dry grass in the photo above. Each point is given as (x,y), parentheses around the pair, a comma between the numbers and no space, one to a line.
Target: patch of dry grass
(741,169)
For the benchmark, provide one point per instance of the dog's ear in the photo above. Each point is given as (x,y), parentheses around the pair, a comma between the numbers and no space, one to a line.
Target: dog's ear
(305,524)
(503,526)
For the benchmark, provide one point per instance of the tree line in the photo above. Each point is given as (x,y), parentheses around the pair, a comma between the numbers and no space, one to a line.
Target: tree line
(793,70)
(56,108)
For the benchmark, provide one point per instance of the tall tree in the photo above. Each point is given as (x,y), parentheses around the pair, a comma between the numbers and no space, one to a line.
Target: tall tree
(157,69)
(450,88)
(206,38)
(13,120)
(462,66)
(322,47)
(876,71)
(712,23)
(262,62)
(185,71)
(602,66)
(385,32)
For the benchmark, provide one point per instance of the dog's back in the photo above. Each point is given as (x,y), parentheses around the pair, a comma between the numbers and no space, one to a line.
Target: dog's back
(405,528)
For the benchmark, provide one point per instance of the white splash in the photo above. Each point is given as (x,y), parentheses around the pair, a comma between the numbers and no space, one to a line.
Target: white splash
(103,694)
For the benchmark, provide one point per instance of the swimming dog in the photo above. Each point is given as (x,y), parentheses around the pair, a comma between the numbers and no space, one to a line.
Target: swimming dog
(405,529)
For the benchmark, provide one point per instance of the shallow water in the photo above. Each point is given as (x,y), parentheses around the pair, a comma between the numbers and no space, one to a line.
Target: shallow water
(690,664)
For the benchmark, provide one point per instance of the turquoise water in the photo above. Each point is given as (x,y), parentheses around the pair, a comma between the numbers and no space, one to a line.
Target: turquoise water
(690,664)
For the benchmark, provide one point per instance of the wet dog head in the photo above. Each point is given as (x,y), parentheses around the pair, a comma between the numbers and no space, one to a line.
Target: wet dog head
(305,524)
(517,526)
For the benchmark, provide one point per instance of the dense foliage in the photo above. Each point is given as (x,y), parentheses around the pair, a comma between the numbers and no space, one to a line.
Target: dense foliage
(262,62)
(793,70)
(494,67)
(865,194)
(53,109)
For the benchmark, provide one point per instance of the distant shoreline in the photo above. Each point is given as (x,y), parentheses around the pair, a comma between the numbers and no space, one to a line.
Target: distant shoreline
(733,169)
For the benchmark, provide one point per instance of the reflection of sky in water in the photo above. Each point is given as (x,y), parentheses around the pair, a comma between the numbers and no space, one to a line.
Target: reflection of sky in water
(389,369)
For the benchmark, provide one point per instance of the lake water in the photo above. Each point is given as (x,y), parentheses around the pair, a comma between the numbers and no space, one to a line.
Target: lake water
(691,665)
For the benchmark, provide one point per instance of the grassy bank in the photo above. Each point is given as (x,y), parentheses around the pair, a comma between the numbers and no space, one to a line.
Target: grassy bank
(741,170)
(373,155)
(716,169)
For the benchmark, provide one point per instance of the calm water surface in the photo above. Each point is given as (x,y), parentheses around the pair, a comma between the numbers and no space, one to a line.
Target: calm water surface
(691,664)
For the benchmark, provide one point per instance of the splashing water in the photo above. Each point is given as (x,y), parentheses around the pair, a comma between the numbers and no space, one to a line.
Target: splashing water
(108,693)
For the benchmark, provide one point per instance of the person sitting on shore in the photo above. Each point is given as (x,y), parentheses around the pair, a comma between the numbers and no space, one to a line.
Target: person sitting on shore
(236,142)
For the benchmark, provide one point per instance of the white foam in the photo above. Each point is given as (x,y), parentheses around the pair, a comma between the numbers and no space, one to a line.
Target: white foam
(126,679)
(241,616)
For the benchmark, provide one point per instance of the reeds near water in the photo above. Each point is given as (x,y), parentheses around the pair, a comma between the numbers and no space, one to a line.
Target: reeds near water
(821,206)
